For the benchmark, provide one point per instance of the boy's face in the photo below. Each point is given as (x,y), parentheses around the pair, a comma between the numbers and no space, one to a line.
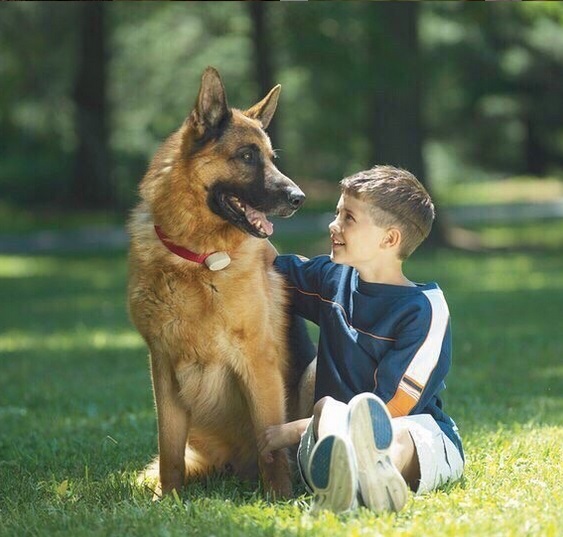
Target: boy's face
(356,240)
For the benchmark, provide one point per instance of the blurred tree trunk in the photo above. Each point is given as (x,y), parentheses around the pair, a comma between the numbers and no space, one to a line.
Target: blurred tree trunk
(536,159)
(263,59)
(91,183)
(396,131)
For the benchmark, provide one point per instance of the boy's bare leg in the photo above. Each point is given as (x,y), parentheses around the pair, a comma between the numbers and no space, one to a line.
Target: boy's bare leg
(306,391)
(404,457)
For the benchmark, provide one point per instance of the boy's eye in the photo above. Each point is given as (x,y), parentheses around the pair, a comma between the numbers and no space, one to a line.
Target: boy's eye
(347,216)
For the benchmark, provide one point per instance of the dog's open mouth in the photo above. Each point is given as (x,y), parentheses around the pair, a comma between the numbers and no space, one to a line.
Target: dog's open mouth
(246,217)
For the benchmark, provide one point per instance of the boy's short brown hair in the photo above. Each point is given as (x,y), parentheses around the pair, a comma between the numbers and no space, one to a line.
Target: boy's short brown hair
(397,199)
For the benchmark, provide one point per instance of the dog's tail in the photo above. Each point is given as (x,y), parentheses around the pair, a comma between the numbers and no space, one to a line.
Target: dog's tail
(196,467)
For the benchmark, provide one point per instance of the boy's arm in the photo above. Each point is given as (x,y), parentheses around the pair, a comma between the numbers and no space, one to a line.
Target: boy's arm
(280,436)
(304,282)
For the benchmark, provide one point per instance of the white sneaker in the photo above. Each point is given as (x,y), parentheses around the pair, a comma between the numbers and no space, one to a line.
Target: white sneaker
(333,475)
(382,487)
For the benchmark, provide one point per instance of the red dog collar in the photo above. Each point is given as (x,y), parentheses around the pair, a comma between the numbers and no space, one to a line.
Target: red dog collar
(213,261)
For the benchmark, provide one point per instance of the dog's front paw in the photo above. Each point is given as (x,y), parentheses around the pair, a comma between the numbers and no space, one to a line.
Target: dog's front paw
(276,476)
(281,490)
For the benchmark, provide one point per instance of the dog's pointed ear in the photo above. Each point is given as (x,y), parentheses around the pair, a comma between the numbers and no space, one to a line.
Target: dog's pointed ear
(264,110)
(211,107)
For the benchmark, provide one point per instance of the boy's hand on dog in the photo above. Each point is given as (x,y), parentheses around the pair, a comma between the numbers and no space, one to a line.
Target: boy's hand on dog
(278,437)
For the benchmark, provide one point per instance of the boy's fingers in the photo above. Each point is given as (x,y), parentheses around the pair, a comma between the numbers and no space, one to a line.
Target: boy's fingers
(267,457)
(264,443)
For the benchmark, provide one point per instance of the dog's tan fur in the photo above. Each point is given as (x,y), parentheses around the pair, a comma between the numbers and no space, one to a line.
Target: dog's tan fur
(217,340)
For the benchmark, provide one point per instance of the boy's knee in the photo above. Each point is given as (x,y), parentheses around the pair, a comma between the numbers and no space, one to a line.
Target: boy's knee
(402,435)
(317,412)
(403,441)
(405,457)
(319,405)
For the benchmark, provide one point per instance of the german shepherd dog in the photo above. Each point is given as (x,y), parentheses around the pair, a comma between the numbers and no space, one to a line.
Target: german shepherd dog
(204,297)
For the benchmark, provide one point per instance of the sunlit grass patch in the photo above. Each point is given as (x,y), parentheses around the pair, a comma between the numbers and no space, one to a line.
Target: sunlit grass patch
(77,421)
(80,339)
(12,266)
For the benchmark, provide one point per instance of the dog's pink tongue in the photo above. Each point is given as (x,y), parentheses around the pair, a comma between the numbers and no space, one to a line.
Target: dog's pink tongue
(254,216)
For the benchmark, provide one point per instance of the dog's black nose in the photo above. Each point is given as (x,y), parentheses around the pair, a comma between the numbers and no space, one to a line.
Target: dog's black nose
(296,198)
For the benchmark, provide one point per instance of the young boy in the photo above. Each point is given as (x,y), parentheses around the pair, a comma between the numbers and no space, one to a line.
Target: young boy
(378,424)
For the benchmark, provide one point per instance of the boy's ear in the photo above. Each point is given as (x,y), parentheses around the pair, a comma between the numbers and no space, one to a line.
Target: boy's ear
(392,238)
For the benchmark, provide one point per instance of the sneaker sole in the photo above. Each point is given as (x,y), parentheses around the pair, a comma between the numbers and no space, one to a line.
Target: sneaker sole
(333,475)
(382,487)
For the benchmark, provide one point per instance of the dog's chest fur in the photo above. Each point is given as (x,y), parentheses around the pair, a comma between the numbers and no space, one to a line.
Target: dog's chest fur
(198,317)
(179,291)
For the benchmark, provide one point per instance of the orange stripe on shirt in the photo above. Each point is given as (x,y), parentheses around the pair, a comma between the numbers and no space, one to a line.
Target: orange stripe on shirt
(383,338)
(401,404)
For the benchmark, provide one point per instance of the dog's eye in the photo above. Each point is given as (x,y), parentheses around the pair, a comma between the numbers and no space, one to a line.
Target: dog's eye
(249,154)
(248,157)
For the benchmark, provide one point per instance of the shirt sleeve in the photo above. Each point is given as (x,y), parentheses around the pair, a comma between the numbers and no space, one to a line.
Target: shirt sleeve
(413,370)
(304,280)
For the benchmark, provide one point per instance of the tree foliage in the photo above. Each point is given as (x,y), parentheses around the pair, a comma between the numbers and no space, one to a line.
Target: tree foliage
(477,94)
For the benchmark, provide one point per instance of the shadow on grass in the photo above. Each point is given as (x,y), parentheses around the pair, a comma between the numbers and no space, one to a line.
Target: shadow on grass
(75,395)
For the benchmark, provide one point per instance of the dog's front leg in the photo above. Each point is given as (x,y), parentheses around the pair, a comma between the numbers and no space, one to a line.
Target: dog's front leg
(264,391)
(173,423)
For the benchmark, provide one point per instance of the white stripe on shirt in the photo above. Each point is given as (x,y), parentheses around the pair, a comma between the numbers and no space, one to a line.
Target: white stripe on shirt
(426,358)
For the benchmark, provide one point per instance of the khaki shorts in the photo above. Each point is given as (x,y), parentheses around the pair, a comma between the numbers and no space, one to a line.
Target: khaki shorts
(440,460)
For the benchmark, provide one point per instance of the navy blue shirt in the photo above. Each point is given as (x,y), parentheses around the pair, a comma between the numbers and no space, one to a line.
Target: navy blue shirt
(392,340)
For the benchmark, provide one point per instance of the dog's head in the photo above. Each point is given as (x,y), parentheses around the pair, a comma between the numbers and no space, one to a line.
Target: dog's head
(224,158)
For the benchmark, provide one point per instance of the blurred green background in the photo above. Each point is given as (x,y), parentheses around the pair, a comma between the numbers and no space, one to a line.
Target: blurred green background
(465,95)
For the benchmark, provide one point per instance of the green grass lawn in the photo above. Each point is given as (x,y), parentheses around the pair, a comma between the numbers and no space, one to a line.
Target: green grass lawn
(77,420)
